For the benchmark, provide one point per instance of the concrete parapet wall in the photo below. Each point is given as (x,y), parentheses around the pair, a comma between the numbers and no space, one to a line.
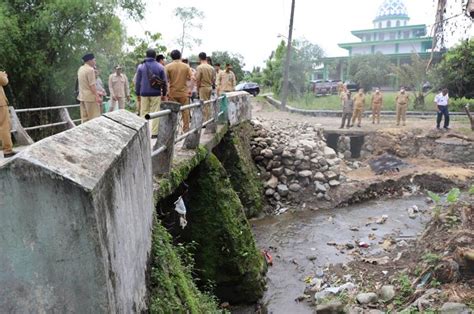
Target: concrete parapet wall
(76,219)
(239,108)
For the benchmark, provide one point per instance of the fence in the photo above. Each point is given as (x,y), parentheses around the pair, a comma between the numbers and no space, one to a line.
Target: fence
(163,150)
(20,133)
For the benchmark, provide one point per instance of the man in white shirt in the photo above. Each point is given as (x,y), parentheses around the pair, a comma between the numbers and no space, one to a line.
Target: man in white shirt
(442,101)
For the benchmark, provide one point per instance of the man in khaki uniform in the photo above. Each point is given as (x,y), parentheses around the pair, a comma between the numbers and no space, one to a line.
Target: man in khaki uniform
(377,103)
(178,74)
(205,76)
(5,135)
(225,80)
(119,89)
(88,95)
(359,107)
(402,100)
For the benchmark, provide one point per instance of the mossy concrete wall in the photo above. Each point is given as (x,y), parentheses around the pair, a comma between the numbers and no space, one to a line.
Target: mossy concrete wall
(226,253)
(234,154)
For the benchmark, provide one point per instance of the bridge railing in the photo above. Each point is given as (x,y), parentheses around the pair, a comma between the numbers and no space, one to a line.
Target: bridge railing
(163,149)
(20,133)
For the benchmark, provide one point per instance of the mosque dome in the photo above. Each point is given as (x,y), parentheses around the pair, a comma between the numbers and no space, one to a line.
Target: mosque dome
(391,9)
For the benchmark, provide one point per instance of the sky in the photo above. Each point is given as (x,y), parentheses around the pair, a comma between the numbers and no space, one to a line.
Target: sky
(252,27)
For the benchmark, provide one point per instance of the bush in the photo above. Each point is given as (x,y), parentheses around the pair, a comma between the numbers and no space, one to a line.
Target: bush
(458,104)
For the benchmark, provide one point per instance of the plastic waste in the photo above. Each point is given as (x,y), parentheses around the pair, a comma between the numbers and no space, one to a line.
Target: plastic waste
(179,206)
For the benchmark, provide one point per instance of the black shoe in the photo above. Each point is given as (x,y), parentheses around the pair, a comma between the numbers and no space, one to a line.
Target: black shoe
(154,136)
(8,155)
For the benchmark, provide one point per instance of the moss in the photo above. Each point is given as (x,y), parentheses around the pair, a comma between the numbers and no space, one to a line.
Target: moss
(172,289)
(180,171)
(234,153)
(226,253)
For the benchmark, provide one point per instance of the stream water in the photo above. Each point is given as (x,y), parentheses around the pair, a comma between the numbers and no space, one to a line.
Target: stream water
(298,244)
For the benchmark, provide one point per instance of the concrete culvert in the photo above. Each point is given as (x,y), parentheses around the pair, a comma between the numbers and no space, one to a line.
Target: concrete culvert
(356,145)
(332,139)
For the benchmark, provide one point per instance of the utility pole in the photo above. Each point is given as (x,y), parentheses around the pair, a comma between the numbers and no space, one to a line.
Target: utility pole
(284,92)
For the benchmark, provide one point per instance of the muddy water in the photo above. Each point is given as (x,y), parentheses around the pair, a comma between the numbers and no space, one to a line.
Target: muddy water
(296,239)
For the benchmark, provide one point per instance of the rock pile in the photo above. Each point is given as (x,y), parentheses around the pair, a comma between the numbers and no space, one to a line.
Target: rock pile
(292,158)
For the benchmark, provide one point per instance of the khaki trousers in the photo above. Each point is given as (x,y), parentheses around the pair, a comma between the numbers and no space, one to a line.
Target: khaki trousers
(89,110)
(183,100)
(151,104)
(5,136)
(205,94)
(357,114)
(401,113)
(376,112)
(120,102)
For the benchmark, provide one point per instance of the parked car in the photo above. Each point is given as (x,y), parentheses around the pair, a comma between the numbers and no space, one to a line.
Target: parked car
(249,87)
(326,87)
(352,86)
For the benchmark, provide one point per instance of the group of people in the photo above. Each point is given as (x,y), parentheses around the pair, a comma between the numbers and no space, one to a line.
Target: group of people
(353,107)
(155,81)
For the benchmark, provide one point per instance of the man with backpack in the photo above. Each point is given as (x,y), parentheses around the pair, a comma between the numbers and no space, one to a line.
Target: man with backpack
(151,87)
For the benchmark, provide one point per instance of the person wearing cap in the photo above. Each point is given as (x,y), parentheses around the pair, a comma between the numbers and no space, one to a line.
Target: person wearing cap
(377,103)
(151,97)
(225,80)
(178,74)
(205,76)
(119,89)
(88,96)
(402,101)
(359,107)
(5,124)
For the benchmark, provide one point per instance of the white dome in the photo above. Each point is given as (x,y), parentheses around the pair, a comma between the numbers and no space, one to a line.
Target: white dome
(392,8)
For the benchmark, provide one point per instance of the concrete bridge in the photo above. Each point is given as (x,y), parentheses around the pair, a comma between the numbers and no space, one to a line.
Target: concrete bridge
(77,208)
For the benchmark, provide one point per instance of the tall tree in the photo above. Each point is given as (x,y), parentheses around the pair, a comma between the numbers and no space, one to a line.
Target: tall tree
(369,70)
(189,17)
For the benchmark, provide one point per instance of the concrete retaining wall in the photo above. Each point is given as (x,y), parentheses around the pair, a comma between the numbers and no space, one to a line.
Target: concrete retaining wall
(76,220)
(239,108)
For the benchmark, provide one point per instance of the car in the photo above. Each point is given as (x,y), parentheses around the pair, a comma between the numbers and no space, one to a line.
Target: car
(249,87)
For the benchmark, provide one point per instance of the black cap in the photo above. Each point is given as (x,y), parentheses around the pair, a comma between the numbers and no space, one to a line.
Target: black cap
(88,57)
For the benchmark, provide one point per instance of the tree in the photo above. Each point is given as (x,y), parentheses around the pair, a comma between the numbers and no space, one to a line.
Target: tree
(188,17)
(413,76)
(43,42)
(237,61)
(369,70)
(456,70)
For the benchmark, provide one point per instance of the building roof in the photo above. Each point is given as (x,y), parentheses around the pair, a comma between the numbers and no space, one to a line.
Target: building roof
(363,32)
(391,9)
(387,42)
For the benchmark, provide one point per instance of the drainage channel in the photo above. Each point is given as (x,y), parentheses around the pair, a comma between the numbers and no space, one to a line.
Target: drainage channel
(356,141)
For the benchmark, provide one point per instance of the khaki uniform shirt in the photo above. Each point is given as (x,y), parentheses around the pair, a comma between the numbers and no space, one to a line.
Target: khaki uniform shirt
(377,99)
(118,85)
(226,81)
(359,101)
(86,79)
(3,82)
(178,74)
(402,99)
(205,75)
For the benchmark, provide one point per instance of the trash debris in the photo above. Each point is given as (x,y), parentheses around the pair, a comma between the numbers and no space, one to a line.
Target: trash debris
(386,163)
(180,208)
(268,257)
(354,229)
(349,246)
(364,244)
(182,221)
(424,280)
(381,220)
(377,261)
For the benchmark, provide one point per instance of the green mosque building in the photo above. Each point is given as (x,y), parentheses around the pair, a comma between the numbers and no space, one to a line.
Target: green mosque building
(391,35)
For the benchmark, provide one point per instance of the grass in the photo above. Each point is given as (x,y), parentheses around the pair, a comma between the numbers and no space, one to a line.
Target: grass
(333,102)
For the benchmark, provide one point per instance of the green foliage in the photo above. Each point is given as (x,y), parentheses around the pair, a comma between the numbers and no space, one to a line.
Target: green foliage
(43,42)
(256,75)
(458,104)
(471,190)
(431,258)
(434,197)
(369,70)
(237,61)
(172,289)
(404,285)
(456,70)
(305,57)
(453,195)
(413,75)
(189,17)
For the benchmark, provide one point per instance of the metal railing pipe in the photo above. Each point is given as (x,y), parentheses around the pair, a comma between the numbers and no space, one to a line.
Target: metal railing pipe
(46,108)
(154,115)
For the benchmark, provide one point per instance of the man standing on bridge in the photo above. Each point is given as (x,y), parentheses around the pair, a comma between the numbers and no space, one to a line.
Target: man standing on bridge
(88,96)
(402,100)
(205,76)
(442,101)
(347,109)
(225,80)
(377,103)
(359,107)
(5,135)
(119,89)
(178,74)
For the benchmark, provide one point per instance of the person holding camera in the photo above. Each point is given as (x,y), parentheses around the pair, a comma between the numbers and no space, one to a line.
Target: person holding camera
(5,135)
